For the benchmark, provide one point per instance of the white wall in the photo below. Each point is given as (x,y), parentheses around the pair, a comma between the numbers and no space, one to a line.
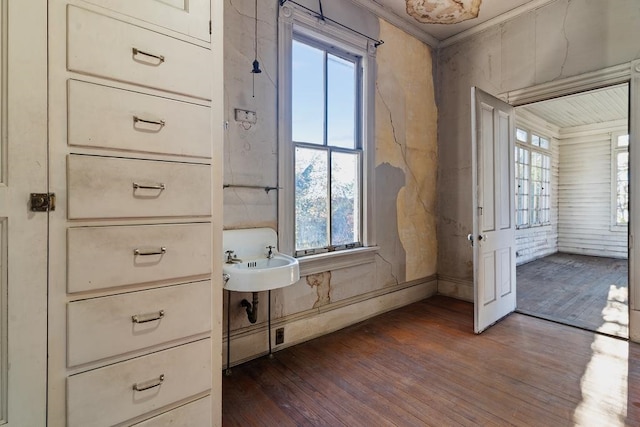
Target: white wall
(586,193)
(564,38)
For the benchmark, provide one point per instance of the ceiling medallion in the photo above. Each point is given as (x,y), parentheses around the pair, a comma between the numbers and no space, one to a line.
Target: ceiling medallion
(443,11)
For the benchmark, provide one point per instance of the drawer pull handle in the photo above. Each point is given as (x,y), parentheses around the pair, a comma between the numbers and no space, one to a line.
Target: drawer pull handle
(162,251)
(160,123)
(149,187)
(150,317)
(149,384)
(137,51)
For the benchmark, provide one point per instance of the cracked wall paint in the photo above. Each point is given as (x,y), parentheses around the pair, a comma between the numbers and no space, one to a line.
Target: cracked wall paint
(406,132)
(404,186)
(321,282)
(561,39)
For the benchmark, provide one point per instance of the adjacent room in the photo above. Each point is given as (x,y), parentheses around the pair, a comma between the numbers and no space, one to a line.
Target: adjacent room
(572,209)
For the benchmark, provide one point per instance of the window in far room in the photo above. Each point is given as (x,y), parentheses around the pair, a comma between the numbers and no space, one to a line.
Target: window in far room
(620,181)
(533,179)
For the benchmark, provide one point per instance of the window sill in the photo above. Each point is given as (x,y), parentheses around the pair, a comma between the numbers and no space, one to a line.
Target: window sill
(619,228)
(313,264)
(534,227)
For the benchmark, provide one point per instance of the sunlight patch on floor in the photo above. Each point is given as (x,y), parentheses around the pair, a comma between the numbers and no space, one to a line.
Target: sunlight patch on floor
(615,314)
(604,385)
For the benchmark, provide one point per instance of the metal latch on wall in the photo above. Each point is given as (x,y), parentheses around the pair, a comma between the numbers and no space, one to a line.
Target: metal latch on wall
(42,202)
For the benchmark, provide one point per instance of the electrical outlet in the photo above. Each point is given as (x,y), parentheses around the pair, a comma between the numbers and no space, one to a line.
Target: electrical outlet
(245,116)
(279,336)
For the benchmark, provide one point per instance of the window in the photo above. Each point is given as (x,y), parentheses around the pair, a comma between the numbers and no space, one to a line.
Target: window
(533,179)
(328,158)
(325,137)
(620,181)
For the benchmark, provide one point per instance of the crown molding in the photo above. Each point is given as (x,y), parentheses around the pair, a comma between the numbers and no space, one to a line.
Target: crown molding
(532,5)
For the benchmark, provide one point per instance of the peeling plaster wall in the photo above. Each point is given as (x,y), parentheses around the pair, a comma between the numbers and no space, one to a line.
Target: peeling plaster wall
(406,131)
(562,39)
(406,169)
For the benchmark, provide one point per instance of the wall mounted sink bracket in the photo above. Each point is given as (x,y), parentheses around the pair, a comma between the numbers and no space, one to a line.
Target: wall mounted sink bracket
(252,264)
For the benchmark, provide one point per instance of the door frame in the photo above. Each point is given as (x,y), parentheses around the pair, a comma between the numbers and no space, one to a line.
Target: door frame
(624,73)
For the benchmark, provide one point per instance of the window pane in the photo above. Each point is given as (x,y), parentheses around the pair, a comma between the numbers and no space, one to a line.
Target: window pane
(521,135)
(307,109)
(622,183)
(535,140)
(623,140)
(341,102)
(312,204)
(544,143)
(345,199)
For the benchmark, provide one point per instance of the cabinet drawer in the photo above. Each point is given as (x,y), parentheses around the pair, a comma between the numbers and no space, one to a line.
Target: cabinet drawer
(103,327)
(107,187)
(192,414)
(105,47)
(189,17)
(105,117)
(106,396)
(105,257)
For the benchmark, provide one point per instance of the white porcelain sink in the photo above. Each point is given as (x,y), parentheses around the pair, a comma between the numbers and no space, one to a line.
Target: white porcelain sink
(256,272)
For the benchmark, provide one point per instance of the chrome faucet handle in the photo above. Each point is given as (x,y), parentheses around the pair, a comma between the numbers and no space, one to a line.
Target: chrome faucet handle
(230,255)
(270,254)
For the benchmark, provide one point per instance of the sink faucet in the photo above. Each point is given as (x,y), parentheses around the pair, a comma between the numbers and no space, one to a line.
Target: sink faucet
(231,258)
(270,254)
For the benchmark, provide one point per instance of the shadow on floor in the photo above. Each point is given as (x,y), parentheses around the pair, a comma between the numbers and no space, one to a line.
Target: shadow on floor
(583,291)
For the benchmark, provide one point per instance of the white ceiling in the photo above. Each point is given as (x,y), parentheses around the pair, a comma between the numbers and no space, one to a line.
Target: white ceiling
(597,106)
(491,12)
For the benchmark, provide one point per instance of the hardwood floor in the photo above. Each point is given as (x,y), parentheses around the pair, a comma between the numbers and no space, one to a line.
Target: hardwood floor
(421,365)
(584,291)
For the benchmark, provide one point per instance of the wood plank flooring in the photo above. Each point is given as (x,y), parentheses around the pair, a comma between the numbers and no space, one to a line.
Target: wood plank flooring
(584,291)
(421,365)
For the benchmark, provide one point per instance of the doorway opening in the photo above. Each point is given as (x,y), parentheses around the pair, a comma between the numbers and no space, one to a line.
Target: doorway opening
(572,209)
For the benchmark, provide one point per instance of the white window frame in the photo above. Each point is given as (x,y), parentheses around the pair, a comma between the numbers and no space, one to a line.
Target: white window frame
(615,225)
(528,146)
(295,20)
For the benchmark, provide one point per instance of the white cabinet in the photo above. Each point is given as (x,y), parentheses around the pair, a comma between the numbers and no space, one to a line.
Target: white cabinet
(106,117)
(189,17)
(99,328)
(109,187)
(135,293)
(106,47)
(117,393)
(117,256)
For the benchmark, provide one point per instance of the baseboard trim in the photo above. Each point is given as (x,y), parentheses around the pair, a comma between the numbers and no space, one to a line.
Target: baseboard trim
(252,342)
(456,288)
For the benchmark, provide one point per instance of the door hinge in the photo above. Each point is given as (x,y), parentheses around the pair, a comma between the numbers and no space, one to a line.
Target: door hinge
(209,27)
(42,202)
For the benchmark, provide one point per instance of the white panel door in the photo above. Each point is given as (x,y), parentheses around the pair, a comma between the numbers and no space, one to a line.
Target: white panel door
(493,134)
(23,234)
(634,203)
